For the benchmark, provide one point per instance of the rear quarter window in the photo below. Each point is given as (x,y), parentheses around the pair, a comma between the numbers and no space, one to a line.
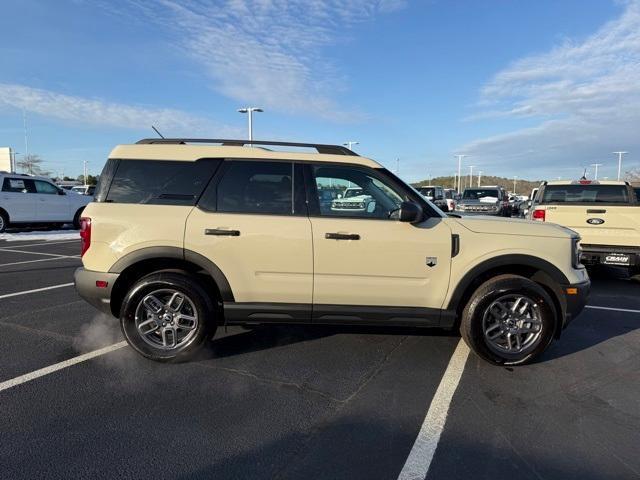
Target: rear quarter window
(155,182)
(590,194)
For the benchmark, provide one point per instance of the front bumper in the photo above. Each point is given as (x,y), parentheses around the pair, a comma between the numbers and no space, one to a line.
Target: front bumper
(576,297)
(99,297)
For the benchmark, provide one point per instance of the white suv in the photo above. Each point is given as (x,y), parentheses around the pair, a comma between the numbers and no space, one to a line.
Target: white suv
(26,199)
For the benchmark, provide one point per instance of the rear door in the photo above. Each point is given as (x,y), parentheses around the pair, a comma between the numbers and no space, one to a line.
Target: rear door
(602,214)
(19,199)
(252,223)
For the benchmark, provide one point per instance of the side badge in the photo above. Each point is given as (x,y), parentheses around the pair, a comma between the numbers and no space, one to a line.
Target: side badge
(432,261)
(595,221)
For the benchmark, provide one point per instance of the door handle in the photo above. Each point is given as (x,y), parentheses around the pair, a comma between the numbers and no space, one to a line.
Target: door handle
(592,210)
(221,232)
(342,236)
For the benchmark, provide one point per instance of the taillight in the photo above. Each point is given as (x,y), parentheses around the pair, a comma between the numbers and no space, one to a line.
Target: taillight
(85,235)
(539,215)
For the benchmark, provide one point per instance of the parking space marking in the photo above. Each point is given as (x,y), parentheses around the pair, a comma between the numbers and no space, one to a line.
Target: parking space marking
(419,459)
(59,366)
(595,307)
(44,242)
(33,253)
(39,260)
(35,290)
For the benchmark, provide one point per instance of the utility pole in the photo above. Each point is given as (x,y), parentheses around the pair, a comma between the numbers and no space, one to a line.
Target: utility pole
(471,175)
(479,176)
(596,165)
(85,172)
(514,184)
(459,183)
(26,142)
(620,154)
(249,111)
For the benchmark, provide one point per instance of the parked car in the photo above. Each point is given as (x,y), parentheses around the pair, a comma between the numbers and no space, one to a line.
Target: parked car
(84,189)
(605,214)
(450,197)
(26,199)
(484,201)
(182,239)
(354,200)
(436,195)
(526,211)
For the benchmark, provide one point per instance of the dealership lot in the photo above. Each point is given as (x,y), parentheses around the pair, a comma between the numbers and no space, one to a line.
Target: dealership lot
(294,402)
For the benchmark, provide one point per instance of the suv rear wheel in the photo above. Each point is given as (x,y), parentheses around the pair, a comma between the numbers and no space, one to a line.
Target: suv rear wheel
(509,320)
(167,316)
(4,221)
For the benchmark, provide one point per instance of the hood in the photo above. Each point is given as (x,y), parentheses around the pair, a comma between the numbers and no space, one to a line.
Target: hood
(510,226)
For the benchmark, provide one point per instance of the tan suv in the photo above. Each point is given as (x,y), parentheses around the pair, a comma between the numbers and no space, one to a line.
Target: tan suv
(185,235)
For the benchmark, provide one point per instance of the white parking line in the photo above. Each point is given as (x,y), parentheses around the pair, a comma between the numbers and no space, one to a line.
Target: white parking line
(614,309)
(35,290)
(39,260)
(419,460)
(59,366)
(33,253)
(44,242)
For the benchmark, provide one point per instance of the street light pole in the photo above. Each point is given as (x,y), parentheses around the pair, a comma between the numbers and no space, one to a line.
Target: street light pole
(471,175)
(459,183)
(479,177)
(350,145)
(249,111)
(596,165)
(514,184)
(620,154)
(85,172)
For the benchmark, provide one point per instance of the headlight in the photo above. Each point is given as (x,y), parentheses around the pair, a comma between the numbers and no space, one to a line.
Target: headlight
(576,252)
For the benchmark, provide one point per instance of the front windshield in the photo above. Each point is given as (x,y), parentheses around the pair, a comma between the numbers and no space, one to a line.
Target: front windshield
(479,194)
(427,191)
(353,192)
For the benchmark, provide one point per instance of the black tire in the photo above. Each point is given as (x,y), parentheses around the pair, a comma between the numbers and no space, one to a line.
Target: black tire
(496,289)
(201,304)
(76,218)
(4,221)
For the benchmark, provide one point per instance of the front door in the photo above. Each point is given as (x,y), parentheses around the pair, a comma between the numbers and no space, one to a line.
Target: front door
(51,205)
(363,255)
(252,223)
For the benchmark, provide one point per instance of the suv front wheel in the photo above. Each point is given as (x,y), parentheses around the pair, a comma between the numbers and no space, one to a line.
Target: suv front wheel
(509,320)
(167,316)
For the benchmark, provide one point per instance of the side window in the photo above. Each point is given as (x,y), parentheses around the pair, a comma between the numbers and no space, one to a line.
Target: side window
(257,187)
(345,191)
(18,185)
(45,187)
(159,182)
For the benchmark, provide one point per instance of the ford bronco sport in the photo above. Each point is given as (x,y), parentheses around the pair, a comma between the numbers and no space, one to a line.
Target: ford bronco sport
(606,214)
(186,235)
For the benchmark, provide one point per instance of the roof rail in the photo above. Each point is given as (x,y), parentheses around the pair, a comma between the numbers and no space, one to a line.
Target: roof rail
(320,148)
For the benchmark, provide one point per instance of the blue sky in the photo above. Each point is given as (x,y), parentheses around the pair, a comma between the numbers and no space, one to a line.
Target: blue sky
(535,89)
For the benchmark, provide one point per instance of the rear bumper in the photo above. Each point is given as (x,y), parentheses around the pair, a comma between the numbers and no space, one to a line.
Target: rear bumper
(99,297)
(606,255)
(575,302)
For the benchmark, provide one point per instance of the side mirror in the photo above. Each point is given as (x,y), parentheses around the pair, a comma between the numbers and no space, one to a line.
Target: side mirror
(339,195)
(410,212)
(529,204)
(61,192)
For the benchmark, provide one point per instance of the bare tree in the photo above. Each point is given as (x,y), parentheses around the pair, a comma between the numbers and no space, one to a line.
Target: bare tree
(633,175)
(32,164)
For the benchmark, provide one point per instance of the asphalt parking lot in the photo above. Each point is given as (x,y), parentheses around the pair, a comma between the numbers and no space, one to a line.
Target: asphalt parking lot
(308,402)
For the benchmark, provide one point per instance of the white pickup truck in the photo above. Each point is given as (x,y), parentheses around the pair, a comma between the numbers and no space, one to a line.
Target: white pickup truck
(605,214)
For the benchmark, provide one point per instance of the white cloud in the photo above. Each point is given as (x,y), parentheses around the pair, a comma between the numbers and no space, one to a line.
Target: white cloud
(584,96)
(78,110)
(267,52)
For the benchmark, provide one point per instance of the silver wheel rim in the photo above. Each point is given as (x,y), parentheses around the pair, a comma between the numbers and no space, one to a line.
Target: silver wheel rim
(512,324)
(166,319)
(1,222)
